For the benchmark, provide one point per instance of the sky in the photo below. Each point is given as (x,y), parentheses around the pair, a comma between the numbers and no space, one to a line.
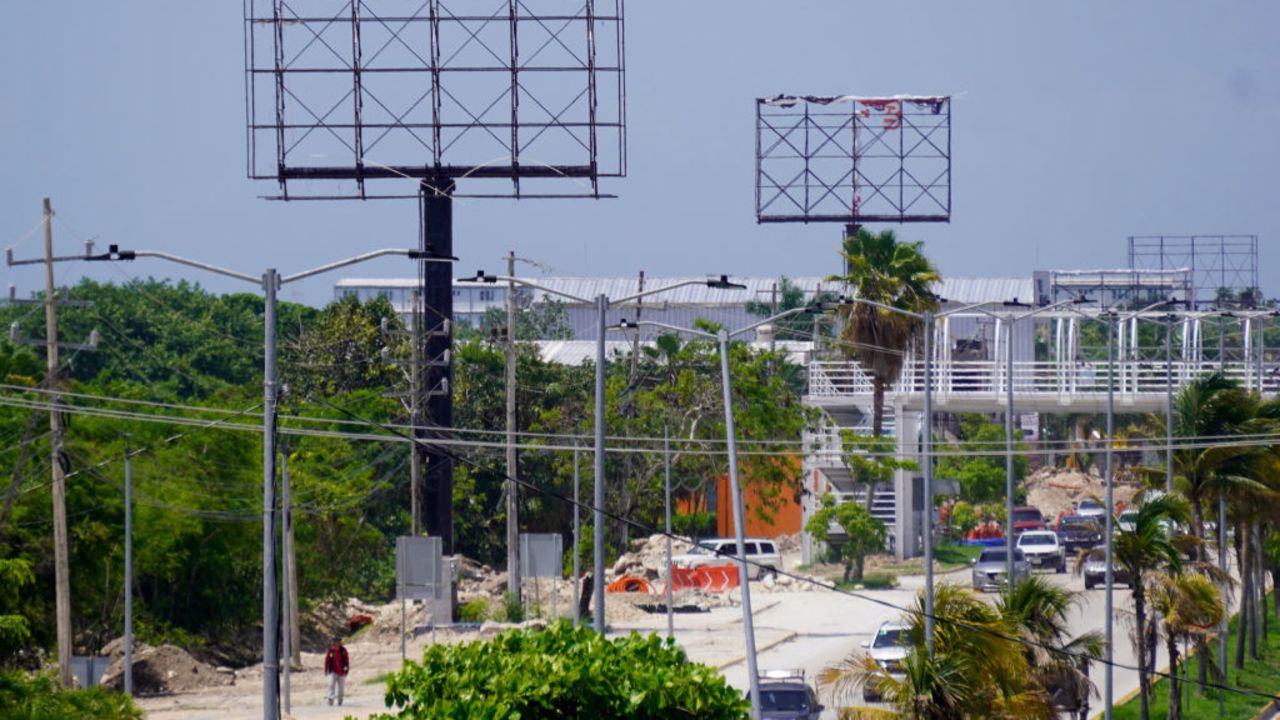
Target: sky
(1075,125)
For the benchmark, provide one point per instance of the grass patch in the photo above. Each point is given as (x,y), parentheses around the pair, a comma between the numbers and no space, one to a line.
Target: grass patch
(378,679)
(871,581)
(951,556)
(1262,675)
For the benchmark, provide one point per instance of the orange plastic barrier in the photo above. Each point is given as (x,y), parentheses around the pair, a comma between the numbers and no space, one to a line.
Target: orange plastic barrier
(708,578)
(630,584)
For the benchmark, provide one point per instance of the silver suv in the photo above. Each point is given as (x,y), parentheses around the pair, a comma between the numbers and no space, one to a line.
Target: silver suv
(887,648)
(763,557)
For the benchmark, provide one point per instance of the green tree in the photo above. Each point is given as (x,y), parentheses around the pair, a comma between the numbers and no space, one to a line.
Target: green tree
(981,476)
(1189,607)
(1038,610)
(863,534)
(546,319)
(881,269)
(1145,548)
(790,297)
(561,672)
(977,669)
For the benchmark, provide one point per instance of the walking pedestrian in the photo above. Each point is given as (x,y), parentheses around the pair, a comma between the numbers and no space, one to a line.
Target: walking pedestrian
(336,666)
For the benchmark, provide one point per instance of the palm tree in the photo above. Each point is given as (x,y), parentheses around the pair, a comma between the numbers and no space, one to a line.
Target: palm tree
(977,670)
(1190,607)
(1149,546)
(883,270)
(1038,610)
(1209,406)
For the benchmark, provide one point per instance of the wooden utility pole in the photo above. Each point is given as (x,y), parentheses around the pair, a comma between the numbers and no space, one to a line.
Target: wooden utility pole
(513,491)
(61,566)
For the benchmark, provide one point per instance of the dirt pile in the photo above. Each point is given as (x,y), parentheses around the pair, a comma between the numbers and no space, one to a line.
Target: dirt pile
(1057,490)
(162,670)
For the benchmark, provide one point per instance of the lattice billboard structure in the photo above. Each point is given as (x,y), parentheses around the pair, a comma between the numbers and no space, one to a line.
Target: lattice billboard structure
(507,98)
(1223,268)
(344,92)
(852,159)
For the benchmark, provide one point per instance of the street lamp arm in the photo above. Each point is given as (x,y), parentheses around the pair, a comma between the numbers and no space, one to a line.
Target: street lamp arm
(526,283)
(198,265)
(673,328)
(770,319)
(416,254)
(657,291)
(882,306)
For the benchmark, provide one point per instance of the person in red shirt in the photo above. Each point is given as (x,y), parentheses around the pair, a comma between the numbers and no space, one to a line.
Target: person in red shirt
(336,666)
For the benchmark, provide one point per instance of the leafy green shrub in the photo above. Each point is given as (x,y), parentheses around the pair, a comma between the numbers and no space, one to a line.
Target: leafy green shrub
(475,611)
(512,610)
(561,672)
(39,697)
(879,581)
(694,524)
(863,533)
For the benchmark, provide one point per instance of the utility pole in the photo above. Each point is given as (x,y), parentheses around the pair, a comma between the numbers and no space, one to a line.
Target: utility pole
(128,570)
(61,550)
(291,637)
(61,566)
(415,415)
(513,494)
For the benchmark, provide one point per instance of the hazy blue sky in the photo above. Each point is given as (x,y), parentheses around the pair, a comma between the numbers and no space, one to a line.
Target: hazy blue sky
(1075,125)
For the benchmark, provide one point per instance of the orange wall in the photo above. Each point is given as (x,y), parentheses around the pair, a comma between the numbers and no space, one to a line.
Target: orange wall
(786,513)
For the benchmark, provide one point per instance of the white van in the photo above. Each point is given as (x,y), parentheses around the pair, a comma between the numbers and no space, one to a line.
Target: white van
(763,557)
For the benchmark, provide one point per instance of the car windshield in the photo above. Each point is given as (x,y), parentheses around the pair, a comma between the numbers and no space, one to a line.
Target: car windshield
(998,555)
(784,700)
(1098,556)
(1089,505)
(890,637)
(1084,526)
(1036,539)
(1026,515)
(702,549)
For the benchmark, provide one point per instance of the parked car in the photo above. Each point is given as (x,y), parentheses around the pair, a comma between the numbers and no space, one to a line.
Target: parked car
(1027,518)
(1095,570)
(763,557)
(1076,533)
(1042,550)
(887,648)
(784,695)
(1091,508)
(989,568)
(1125,523)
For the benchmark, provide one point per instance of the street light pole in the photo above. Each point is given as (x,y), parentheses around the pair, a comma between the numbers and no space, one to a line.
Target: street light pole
(928,479)
(270,598)
(271,281)
(739,534)
(1168,405)
(1009,577)
(597,501)
(1110,519)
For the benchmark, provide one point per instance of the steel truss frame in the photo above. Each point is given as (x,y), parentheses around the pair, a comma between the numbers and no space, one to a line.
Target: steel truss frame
(341,92)
(1224,268)
(853,159)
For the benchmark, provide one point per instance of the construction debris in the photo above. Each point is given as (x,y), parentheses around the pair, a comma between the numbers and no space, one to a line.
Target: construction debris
(162,670)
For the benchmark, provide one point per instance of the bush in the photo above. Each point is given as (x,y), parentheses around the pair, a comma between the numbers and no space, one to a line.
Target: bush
(475,611)
(512,609)
(40,697)
(561,672)
(694,525)
(879,581)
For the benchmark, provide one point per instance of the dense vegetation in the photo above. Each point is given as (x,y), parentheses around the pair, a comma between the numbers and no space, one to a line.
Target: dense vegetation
(561,672)
(177,378)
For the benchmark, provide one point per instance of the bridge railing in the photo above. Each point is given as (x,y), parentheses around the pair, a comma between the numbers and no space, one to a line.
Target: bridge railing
(847,378)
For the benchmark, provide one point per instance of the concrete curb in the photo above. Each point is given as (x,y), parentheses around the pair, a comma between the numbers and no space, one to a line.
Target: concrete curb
(765,648)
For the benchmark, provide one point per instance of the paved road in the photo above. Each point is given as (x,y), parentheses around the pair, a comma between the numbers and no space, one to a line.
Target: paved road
(813,629)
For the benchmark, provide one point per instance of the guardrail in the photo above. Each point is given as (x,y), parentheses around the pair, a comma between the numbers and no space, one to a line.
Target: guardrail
(848,379)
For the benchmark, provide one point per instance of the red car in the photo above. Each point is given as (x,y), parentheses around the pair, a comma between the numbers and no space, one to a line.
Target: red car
(1027,518)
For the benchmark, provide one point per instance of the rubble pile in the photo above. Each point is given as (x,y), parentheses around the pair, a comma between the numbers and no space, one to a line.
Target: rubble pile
(648,557)
(162,670)
(1057,490)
